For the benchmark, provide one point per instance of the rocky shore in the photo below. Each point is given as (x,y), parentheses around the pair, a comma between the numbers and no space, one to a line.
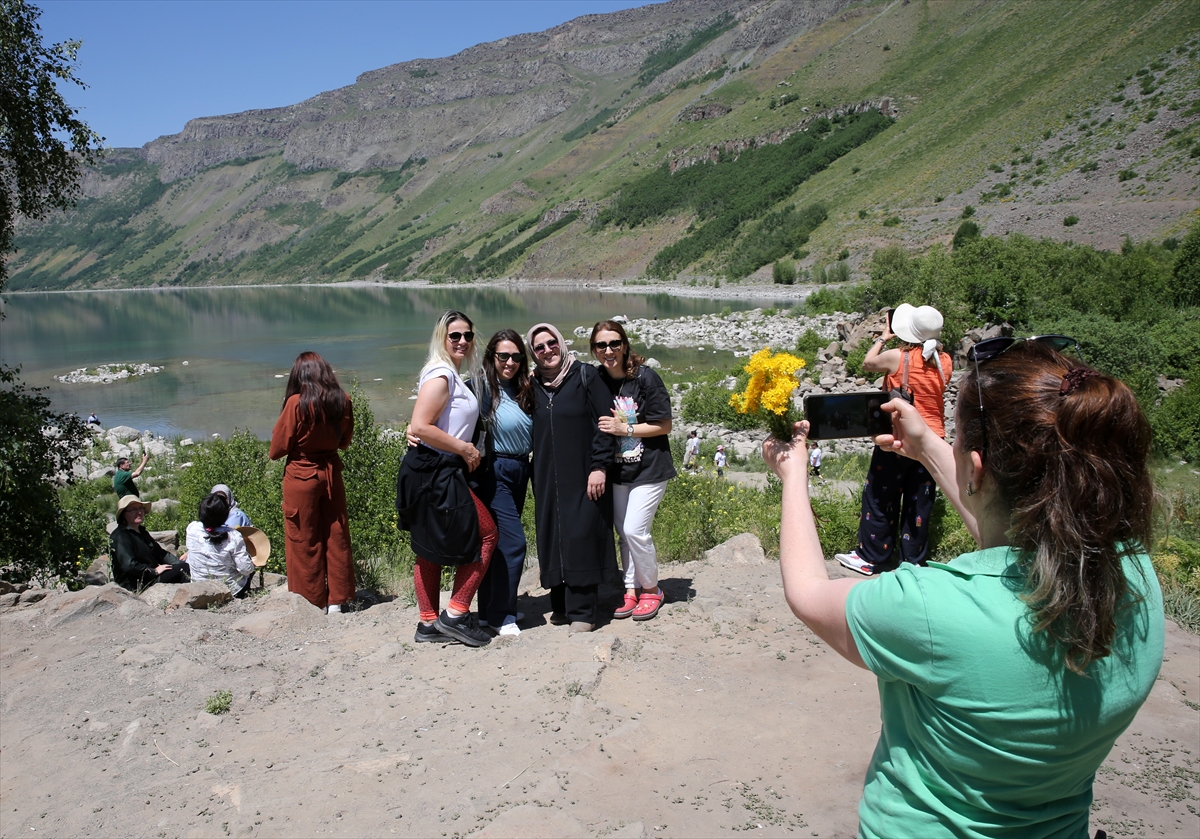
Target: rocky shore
(107,373)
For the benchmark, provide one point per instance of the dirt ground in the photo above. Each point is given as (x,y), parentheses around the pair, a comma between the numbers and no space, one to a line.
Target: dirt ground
(723,715)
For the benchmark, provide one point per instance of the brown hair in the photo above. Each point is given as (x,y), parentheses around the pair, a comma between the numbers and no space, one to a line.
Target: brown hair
(632,360)
(321,397)
(1069,457)
(524,398)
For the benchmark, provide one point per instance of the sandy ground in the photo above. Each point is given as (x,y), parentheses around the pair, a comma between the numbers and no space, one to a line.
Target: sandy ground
(722,715)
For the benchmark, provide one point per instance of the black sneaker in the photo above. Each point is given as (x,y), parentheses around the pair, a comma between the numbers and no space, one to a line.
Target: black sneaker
(558,619)
(464,628)
(428,634)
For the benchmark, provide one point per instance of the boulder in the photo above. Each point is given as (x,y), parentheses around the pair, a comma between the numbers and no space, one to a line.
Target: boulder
(9,598)
(103,472)
(33,595)
(168,539)
(653,363)
(743,549)
(200,595)
(92,600)
(157,448)
(160,595)
(164,505)
(123,434)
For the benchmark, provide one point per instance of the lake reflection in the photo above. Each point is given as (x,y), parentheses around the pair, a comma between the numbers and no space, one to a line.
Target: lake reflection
(238,343)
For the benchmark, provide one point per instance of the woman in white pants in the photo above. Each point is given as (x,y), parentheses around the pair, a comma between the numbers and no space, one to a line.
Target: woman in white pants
(641,420)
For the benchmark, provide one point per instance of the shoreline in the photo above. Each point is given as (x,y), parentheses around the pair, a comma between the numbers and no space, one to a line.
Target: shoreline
(726,291)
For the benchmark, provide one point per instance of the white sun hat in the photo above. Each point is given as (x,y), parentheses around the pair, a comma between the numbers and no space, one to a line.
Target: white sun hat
(916,325)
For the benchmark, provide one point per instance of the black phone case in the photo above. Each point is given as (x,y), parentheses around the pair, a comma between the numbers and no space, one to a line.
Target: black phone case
(836,416)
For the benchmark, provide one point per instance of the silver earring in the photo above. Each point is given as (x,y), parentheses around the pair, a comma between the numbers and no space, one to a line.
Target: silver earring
(970,489)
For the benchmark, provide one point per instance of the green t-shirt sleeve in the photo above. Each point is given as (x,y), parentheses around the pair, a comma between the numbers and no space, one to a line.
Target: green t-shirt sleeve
(889,619)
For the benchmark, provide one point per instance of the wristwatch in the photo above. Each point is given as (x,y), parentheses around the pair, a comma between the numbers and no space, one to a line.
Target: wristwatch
(630,429)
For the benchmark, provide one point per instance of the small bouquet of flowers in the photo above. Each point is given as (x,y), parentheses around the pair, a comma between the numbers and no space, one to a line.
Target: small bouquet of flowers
(769,391)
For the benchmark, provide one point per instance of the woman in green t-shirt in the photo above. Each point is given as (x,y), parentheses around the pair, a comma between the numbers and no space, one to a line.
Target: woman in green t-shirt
(1006,674)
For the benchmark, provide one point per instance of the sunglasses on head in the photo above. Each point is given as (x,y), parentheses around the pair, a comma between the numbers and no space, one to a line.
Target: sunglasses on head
(601,346)
(986,350)
(461,336)
(546,347)
(510,356)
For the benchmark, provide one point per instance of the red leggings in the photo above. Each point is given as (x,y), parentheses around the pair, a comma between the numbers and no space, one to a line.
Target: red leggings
(427,576)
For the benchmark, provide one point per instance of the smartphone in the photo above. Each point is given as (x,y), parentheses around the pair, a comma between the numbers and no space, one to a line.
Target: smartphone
(833,416)
(890,312)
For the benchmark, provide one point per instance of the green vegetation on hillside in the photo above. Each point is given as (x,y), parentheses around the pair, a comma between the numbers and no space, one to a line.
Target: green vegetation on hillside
(677,49)
(725,194)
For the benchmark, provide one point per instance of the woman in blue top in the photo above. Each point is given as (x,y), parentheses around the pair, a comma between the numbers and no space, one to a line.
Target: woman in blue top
(506,403)
(1005,675)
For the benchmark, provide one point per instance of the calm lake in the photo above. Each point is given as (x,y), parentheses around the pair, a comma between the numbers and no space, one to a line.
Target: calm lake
(239,344)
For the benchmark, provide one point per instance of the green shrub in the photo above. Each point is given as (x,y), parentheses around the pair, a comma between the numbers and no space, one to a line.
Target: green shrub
(784,271)
(707,402)
(1176,422)
(1126,175)
(1070,221)
(810,342)
(826,301)
(891,221)
(699,512)
(219,703)
(855,358)
(966,231)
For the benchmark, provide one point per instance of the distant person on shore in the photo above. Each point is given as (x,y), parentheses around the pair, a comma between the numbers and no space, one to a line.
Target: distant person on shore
(123,477)
(236,517)
(720,461)
(316,421)
(814,461)
(216,551)
(571,456)
(462,536)
(640,420)
(137,560)
(691,451)
(1006,674)
(93,419)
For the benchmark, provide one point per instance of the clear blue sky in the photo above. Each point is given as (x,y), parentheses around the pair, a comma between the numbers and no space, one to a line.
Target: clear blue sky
(152,65)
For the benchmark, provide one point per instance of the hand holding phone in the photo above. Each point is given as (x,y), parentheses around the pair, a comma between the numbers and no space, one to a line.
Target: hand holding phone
(833,416)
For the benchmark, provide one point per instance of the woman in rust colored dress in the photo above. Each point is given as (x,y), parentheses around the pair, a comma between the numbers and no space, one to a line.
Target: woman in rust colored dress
(315,422)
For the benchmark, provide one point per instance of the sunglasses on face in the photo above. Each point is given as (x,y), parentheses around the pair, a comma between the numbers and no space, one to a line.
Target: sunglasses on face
(601,346)
(461,336)
(546,347)
(505,357)
(986,350)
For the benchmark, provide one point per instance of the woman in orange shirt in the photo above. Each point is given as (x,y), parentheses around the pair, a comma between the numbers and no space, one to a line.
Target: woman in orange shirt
(898,494)
(315,422)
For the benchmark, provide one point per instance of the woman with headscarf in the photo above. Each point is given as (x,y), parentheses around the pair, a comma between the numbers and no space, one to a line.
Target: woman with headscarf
(237,517)
(316,421)
(216,550)
(898,494)
(571,456)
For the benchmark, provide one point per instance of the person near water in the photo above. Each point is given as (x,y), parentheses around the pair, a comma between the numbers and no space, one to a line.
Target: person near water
(571,456)
(123,478)
(215,550)
(316,421)
(237,517)
(640,420)
(443,420)
(137,560)
(691,451)
(814,460)
(899,493)
(1007,673)
(720,461)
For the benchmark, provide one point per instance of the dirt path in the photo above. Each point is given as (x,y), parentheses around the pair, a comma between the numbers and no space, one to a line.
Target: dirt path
(723,715)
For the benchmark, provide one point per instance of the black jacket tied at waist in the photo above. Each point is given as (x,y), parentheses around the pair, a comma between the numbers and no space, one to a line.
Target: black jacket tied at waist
(434,503)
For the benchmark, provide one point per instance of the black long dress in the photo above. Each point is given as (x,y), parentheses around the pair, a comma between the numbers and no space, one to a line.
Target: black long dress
(574,533)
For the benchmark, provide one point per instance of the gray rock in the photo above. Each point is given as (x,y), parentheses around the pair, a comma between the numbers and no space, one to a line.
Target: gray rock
(158,448)
(160,595)
(9,598)
(165,505)
(743,549)
(92,600)
(653,363)
(103,472)
(33,595)
(186,441)
(123,434)
(200,595)
(169,539)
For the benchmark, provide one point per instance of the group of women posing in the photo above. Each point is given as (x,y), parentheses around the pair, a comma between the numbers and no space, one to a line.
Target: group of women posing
(593,441)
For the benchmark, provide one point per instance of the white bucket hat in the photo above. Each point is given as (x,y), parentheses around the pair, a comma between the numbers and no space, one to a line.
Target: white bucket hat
(916,325)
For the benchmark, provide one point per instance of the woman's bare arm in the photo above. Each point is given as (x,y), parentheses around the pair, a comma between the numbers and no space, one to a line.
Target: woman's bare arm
(432,399)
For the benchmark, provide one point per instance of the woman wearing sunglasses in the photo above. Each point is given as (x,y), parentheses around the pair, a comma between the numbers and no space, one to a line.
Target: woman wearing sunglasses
(640,420)
(1005,675)
(571,456)
(443,421)
(898,494)
(506,404)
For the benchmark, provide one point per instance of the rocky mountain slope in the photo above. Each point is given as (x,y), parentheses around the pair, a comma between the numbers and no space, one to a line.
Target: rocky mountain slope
(499,161)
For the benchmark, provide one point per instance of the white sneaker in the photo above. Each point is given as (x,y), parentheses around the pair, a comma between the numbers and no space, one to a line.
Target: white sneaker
(333,609)
(509,628)
(854,562)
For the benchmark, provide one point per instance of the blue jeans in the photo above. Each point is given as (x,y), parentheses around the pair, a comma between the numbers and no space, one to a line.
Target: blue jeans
(503,492)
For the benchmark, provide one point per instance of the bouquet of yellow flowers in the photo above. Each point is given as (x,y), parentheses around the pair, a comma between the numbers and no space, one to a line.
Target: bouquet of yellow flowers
(769,391)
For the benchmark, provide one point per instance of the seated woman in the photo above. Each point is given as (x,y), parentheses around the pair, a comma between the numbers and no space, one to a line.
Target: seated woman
(216,551)
(237,518)
(1006,674)
(137,560)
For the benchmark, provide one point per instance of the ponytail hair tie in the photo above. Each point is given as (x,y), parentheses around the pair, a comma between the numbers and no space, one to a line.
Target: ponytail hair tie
(1074,378)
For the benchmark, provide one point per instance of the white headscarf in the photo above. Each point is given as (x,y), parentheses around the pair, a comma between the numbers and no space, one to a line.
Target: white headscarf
(565,359)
